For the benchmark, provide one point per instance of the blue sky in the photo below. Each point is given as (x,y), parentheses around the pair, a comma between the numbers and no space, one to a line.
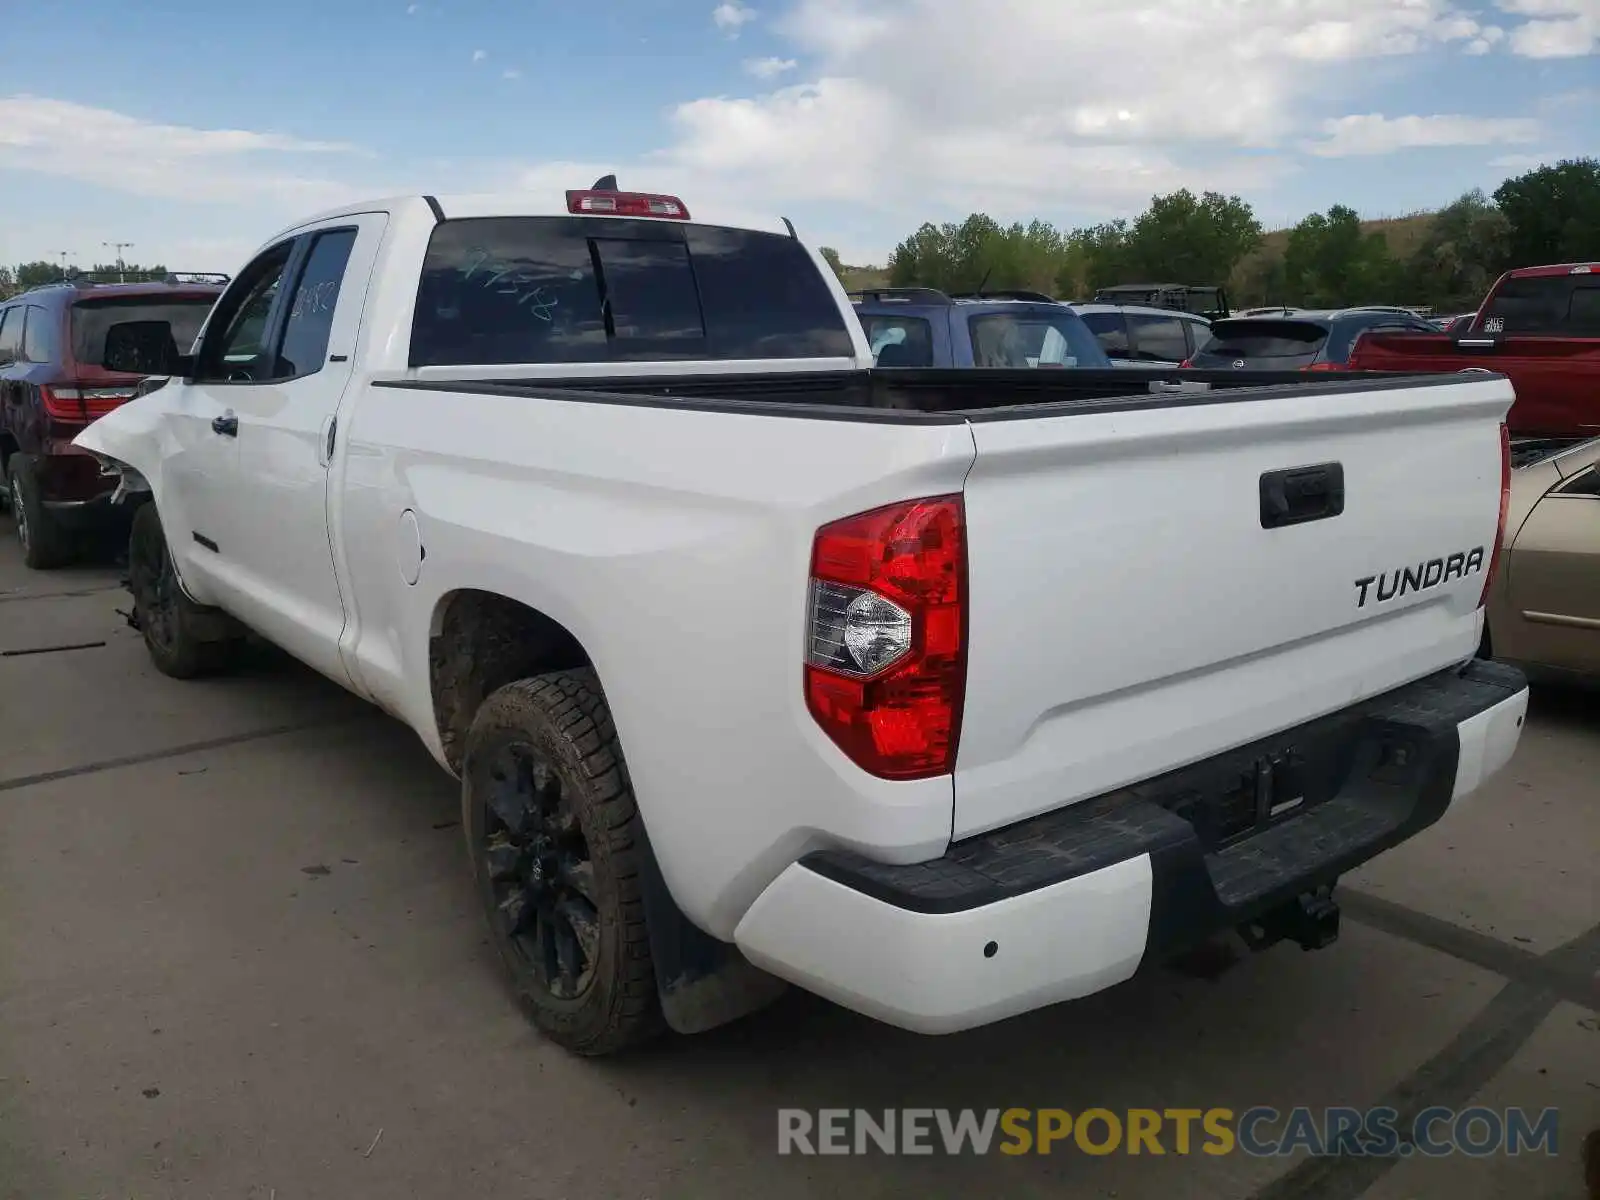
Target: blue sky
(195,130)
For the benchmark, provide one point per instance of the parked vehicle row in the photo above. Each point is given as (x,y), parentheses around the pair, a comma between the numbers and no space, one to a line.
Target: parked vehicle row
(53,341)
(1539,327)
(944,693)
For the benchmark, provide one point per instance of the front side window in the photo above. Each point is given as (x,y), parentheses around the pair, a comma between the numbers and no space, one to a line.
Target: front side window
(580,289)
(309,319)
(235,347)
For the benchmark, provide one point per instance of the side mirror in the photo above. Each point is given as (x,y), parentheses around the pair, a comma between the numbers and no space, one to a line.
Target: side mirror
(143,348)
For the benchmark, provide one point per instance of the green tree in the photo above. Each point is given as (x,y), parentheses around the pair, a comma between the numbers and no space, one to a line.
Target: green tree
(32,274)
(1108,252)
(8,282)
(1186,238)
(1554,213)
(1331,261)
(832,257)
(1466,248)
(979,253)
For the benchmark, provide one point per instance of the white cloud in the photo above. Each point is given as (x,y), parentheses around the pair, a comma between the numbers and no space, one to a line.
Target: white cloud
(511,73)
(479,55)
(149,158)
(769,68)
(1053,130)
(1373,133)
(1555,28)
(731,17)
(411,10)
(1526,162)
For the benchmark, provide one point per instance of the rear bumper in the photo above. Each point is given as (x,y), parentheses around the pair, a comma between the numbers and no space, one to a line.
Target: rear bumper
(1076,900)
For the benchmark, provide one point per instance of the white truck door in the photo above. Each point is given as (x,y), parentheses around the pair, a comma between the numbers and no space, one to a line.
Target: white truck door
(201,461)
(282,579)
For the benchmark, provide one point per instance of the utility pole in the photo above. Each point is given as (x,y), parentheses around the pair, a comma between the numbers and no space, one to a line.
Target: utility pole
(63,254)
(119,247)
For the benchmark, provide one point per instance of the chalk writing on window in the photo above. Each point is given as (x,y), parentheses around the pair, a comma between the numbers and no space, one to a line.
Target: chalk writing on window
(509,279)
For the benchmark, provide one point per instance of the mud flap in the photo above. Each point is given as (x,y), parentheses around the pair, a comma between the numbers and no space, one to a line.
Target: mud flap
(702,982)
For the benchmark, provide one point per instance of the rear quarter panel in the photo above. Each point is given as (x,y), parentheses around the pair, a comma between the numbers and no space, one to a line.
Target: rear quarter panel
(675,545)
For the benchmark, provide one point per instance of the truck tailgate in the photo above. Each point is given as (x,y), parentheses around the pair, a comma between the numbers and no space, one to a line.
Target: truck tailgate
(1132,612)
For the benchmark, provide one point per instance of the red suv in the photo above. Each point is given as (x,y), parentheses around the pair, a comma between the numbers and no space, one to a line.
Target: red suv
(52,384)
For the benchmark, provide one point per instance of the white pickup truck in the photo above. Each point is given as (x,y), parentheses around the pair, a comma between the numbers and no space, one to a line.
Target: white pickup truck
(944,694)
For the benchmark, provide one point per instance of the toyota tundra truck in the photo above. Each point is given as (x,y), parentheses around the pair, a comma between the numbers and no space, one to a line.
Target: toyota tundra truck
(945,694)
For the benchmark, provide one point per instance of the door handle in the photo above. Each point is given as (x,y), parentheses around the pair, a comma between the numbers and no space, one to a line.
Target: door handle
(227,425)
(1300,494)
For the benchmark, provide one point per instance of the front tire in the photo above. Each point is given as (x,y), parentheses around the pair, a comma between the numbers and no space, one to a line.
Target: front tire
(555,838)
(44,543)
(185,639)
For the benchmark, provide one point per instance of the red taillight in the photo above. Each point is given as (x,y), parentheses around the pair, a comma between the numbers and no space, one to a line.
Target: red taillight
(1323,366)
(626,204)
(82,404)
(886,636)
(1505,505)
(1185,365)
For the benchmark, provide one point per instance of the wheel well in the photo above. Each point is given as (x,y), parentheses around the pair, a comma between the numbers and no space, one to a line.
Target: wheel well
(481,641)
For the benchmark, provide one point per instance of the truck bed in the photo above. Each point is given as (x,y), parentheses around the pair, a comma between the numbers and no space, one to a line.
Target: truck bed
(942,394)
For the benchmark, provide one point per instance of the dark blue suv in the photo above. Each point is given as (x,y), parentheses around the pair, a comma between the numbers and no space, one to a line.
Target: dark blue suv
(923,327)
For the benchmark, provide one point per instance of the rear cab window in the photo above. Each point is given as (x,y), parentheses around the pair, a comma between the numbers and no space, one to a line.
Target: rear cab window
(1270,343)
(1033,337)
(500,290)
(1553,305)
(92,316)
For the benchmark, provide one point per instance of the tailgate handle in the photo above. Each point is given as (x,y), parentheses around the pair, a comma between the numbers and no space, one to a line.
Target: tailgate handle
(1299,494)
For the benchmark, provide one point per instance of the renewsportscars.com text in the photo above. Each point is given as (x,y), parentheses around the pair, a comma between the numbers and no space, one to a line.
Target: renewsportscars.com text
(1259,1132)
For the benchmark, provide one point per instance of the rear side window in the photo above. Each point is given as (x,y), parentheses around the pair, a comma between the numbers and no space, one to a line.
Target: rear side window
(11,333)
(1158,339)
(316,295)
(1034,338)
(577,289)
(91,319)
(1546,304)
(1110,330)
(1268,342)
(899,341)
(38,336)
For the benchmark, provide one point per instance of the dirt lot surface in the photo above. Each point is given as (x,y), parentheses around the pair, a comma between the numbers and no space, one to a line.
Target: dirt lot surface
(238,944)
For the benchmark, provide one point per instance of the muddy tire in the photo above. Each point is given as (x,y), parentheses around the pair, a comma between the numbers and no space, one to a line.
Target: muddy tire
(185,640)
(556,846)
(44,543)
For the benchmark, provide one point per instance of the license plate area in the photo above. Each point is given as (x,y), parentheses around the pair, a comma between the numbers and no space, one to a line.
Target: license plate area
(1236,795)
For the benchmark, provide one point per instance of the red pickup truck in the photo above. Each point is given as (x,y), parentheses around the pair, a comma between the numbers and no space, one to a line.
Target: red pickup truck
(1539,327)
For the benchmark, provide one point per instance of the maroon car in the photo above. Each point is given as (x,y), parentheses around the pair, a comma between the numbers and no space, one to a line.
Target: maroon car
(52,342)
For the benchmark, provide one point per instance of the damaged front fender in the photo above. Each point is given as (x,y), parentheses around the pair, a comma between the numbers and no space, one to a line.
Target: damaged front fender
(127,442)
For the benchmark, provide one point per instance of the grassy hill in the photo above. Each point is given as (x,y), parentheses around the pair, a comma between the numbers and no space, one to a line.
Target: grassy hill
(1404,235)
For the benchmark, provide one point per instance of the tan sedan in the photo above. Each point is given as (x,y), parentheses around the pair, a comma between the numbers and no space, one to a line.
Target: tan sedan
(1544,606)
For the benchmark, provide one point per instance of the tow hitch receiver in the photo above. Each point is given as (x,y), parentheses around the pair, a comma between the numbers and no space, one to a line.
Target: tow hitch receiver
(1311,919)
